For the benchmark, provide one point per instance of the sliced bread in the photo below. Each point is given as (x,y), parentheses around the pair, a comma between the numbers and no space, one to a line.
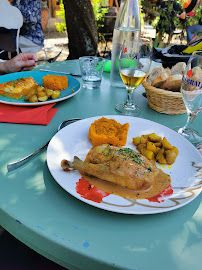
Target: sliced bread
(159,81)
(173,83)
(155,73)
(178,68)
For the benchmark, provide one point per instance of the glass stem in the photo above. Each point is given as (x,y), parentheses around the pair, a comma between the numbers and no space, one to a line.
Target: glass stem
(129,96)
(190,118)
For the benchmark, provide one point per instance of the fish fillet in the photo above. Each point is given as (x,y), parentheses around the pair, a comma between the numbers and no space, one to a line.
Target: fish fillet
(17,87)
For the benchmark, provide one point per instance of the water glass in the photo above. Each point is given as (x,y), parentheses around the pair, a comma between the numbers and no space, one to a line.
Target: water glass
(191,90)
(91,71)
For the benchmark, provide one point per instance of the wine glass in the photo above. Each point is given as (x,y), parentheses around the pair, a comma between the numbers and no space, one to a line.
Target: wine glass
(134,65)
(191,90)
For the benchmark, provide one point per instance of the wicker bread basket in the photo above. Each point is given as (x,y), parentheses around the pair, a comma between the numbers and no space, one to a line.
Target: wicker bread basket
(164,101)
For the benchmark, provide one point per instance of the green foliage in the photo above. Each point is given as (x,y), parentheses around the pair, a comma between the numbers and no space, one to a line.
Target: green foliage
(99,12)
(149,9)
(152,13)
(61,26)
(192,20)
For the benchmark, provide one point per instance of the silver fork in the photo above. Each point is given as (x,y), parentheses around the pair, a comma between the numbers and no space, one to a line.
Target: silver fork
(14,165)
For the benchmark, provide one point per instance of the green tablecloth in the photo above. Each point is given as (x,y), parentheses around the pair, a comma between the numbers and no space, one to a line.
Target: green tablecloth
(37,211)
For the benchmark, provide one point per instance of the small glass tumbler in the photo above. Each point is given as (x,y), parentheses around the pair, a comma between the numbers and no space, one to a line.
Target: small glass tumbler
(91,71)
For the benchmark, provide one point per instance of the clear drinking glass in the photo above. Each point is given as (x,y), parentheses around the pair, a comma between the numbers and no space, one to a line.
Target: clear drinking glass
(91,71)
(191,89)
(134,65)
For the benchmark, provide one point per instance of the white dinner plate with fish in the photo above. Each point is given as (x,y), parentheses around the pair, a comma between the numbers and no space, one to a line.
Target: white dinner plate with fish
(72,89)
(185,173)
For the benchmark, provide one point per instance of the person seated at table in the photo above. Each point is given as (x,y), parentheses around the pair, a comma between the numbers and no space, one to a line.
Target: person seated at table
(21,62)
(31,35)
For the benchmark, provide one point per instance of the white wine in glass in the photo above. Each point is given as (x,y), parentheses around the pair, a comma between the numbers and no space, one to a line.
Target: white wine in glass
(134,65)
(191,90)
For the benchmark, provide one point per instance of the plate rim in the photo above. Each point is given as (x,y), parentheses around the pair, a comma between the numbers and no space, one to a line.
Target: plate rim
(43,102)
(94,204)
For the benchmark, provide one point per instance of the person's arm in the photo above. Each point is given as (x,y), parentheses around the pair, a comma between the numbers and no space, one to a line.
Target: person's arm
(32,12)
(21,62)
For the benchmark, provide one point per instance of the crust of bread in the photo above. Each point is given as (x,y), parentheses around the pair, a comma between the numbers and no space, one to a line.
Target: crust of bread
(155,73)
(158,82)
(168,70)
(178,68)
(173,83)
(197,71)
(171,79)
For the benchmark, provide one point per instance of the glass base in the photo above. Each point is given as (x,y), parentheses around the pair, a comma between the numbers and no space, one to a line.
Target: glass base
(191,135)
(132,110)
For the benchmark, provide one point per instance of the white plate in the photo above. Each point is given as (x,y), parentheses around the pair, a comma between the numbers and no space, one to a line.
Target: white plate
(185,172)
(72,89)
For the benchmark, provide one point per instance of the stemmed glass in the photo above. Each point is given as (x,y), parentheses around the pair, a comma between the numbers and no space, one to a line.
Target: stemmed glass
(191,89)
(134,65)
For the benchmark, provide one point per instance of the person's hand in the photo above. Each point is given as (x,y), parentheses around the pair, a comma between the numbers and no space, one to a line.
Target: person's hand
(21,62)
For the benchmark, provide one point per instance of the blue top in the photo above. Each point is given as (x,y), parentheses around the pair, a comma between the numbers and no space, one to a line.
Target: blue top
(31,10)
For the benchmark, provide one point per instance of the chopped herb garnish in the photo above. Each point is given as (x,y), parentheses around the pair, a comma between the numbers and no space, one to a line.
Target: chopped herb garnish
(127,152)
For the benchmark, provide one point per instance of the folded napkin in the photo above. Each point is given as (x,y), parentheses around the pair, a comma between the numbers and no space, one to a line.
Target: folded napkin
(41,115)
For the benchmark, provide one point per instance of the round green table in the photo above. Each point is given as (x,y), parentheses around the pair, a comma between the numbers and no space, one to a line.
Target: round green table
(38,212)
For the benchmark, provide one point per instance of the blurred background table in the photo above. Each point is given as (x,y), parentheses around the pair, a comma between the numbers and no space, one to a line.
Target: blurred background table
(38,212)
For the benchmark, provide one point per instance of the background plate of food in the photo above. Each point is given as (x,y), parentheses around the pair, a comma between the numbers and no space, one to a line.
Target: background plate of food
(175,183)
(35,88)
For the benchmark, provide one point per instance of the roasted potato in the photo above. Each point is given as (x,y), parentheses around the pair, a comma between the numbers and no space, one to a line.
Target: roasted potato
(154,147)
(160,156)
(55,94)
(40,93)
(170,156)
(49,92)
(136,140)
(147,153)
(154,138)
(166,144)
(33,98)
(151,146)
(31,93)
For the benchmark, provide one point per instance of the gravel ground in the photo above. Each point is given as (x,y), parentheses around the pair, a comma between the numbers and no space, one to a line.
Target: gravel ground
(55,42)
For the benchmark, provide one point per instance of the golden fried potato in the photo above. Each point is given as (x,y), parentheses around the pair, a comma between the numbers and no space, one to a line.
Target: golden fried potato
(136,140)
(55,94)
(33,98)
(166,144)
(154,147)
(151,146)
(49,92)
(42,96)
(174,149)
(40,88)
(154,138)
(143,139)
(158,144)
(141,146)
(147,153)
(160,157)
(170,156)
(31,93)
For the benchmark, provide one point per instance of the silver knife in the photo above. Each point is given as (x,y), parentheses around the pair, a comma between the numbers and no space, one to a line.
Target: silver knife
(66,73)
